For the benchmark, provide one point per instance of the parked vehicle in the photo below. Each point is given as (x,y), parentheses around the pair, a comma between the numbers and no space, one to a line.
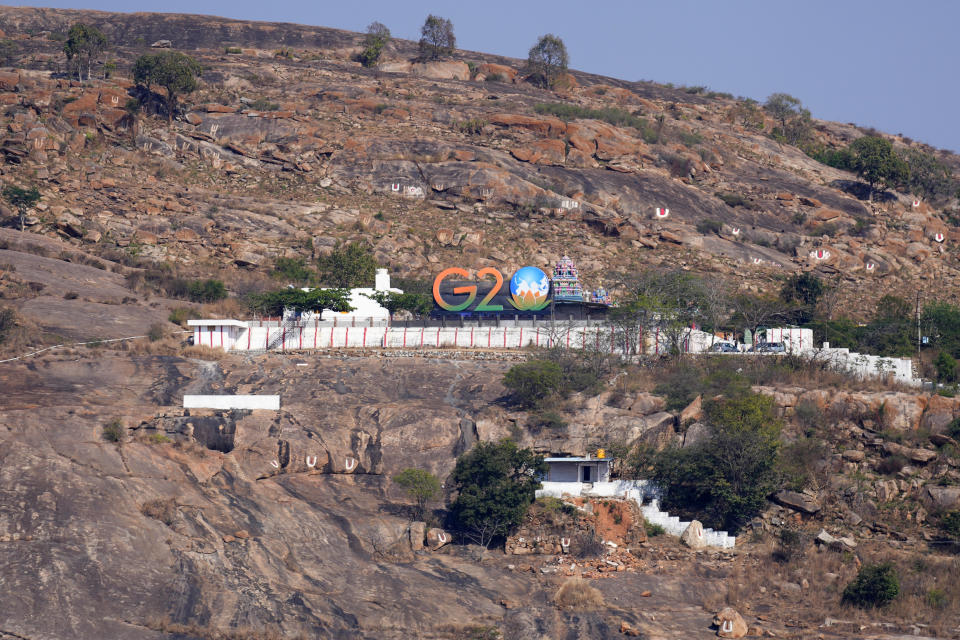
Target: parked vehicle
(769,347)
(723,347)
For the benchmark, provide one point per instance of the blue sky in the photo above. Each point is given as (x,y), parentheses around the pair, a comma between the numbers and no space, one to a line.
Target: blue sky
(876,63)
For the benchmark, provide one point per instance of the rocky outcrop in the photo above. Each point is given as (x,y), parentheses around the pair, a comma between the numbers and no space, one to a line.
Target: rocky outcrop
(693,536)
(729,623)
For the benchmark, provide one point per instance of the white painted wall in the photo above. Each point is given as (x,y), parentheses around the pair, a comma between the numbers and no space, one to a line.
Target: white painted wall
(867,366)
(313,336)
(795,340)
(563,472)
(231,402)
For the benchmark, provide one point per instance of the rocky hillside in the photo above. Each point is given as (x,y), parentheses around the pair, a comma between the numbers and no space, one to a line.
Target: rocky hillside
(124,516)
(289,147)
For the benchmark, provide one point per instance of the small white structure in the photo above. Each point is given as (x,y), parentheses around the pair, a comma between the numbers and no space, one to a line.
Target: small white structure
(270,403)
(578,469)
(794,339)
(223,334)
(363,306)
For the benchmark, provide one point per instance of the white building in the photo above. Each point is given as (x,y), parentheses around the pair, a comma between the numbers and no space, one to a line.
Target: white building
(793,339)
(578,469)
(363,306)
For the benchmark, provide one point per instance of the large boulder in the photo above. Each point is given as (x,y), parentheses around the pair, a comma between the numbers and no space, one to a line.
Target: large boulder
(797,501)
(940,498)
(692,412)
(441,70)
(693,536)
(488,69)
(436,538)
(418,532)
(730,624)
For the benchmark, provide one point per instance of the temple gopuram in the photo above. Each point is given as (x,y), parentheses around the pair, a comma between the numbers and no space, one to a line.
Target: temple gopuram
(566,281)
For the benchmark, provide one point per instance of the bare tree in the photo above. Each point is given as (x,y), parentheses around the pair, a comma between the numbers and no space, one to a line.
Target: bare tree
(754,311)
(436,38)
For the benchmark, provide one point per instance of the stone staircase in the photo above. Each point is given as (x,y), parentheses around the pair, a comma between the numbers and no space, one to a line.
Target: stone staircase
(647,497)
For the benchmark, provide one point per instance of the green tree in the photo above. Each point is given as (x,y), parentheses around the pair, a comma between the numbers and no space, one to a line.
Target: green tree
(941,322)
(495,483)
(273,303)
(795,122)
(293,270)
(8,320)
(348,266)
(890,331)
(533,381)
(378,35)
(804,290)
(946,367)
(724,480)
(876,162)
(176,72)
(436,38)
(22,199)
(419,304)
(876,585)
(421,486)
(747,114)
(547,59)
(928,177)
(782,107)
(84,43)
(206,291)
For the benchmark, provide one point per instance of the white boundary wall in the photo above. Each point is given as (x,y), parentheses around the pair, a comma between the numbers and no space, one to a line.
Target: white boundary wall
(864,365)
(638,491)
(232,402)
(234,335)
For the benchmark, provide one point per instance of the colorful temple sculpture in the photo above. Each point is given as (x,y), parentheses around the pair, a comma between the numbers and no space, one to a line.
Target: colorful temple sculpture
(566,281)
(600,296)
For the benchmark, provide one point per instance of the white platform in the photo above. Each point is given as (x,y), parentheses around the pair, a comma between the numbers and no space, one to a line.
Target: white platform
(231,402)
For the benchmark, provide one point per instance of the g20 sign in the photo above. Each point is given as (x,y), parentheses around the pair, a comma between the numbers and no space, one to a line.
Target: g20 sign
(529,290)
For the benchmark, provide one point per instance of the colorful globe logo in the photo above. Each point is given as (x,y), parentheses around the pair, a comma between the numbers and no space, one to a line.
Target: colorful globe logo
(529,288)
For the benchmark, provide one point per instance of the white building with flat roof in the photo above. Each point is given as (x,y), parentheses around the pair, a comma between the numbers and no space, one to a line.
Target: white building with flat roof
(578,469)
(363,305)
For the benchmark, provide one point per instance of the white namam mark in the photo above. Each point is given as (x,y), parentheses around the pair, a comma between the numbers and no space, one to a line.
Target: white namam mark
(820,254)
(350,463)
(311,461)
(274,464)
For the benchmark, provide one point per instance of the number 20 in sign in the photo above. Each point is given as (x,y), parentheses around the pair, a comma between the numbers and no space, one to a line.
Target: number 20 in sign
(529,289)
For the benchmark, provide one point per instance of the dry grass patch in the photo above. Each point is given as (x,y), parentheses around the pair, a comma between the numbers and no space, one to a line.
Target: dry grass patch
(576,593)
(204,353)
(163,510)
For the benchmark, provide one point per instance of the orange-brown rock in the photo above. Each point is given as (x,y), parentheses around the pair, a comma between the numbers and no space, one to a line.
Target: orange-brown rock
(549,151)
(488,69)
(547,126)
(9,80)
